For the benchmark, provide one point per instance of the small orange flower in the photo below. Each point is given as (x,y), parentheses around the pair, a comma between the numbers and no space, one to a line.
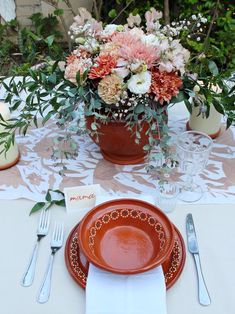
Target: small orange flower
(104,66)
(70,59)
(165,85)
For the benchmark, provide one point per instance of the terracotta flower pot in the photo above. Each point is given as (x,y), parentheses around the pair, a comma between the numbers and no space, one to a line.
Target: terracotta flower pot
(117,144)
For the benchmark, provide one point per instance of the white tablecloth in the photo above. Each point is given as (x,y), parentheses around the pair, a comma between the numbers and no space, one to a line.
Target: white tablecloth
(215,231)
(214,225)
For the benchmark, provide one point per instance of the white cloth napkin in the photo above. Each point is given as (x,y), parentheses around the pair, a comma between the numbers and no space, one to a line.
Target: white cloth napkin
(108,293)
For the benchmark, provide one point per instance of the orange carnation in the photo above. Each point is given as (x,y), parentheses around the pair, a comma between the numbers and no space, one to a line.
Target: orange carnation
(165,85)
(104,66)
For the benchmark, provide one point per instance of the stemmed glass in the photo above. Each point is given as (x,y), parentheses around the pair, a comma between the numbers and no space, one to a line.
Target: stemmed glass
(193,149)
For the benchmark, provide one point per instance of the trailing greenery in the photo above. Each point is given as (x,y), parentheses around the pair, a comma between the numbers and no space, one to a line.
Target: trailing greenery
(66,104)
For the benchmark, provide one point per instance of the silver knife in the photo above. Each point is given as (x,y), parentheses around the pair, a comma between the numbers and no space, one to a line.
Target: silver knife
(203,294)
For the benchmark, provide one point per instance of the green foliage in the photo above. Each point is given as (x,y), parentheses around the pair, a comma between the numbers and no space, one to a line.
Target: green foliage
(111,9)
(220,46)
(6,45)
(41,41)
(49,201)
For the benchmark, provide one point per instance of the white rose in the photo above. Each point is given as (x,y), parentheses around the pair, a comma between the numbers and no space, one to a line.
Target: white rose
(139,83)
(110,29)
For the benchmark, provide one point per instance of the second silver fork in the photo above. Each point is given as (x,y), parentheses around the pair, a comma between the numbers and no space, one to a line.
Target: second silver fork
(56,244)
(42,231)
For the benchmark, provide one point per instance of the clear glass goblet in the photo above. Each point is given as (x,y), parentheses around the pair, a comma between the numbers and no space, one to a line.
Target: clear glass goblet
(193,149)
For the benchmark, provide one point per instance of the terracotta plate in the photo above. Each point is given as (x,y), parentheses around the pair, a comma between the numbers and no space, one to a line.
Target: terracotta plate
(78,265)
(126,236)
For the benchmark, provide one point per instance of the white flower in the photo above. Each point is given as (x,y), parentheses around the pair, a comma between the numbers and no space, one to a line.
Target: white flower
(133,20)
(80,40)
(137,32)
(194,17)
(61,65)
(166,66)
(138,66)
(110,29)
(150,39)
(215,88)
(164,45)
(196,88)
(201,56)
(203,20)
(198,38)
(139,83)
(121,70)
(91,45)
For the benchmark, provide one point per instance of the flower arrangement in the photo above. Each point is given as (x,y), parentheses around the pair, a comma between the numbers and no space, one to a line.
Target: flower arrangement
(127,62)
(127,73)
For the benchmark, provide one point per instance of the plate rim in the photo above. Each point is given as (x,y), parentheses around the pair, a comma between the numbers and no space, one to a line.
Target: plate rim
(83,285)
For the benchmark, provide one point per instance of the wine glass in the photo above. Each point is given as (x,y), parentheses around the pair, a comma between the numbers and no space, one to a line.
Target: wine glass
(193,149)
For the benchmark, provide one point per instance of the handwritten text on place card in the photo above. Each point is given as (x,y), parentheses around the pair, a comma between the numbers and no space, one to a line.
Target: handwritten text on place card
(81,197)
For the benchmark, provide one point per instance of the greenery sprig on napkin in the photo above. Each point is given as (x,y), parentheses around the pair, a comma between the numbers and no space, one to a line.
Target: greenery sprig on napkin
(49,201)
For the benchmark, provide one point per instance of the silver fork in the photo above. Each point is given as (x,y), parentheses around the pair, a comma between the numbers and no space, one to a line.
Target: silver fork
(42,231)
(56,244)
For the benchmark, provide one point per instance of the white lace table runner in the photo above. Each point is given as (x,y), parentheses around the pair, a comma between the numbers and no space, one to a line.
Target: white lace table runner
(36,172)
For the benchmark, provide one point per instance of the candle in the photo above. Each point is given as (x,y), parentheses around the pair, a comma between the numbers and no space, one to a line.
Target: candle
(4,111)
(12,155)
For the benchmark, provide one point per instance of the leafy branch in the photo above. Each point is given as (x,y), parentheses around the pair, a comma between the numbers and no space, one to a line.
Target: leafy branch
(49,201)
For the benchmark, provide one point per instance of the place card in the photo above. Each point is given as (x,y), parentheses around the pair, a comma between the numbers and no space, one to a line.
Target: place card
(81,197)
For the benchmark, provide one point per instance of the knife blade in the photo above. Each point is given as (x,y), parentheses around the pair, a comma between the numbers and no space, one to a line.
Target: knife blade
(203,294)
(191,235)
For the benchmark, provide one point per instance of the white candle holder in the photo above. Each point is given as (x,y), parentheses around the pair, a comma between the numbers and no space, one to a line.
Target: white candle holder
(11,157)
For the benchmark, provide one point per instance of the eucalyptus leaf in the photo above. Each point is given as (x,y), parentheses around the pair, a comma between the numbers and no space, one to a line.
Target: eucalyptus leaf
(213,68)
(218,107)
(48,196)
(37,207)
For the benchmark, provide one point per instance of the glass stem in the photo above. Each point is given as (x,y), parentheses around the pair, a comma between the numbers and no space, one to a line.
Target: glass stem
(189,182)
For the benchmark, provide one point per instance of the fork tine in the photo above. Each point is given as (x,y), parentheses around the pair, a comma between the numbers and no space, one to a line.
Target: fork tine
(57,231)
(41,220)
(54,231)
(60,231)
(47,219)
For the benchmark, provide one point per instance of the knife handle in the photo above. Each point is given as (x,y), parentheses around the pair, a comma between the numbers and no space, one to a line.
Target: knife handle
(203,294)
